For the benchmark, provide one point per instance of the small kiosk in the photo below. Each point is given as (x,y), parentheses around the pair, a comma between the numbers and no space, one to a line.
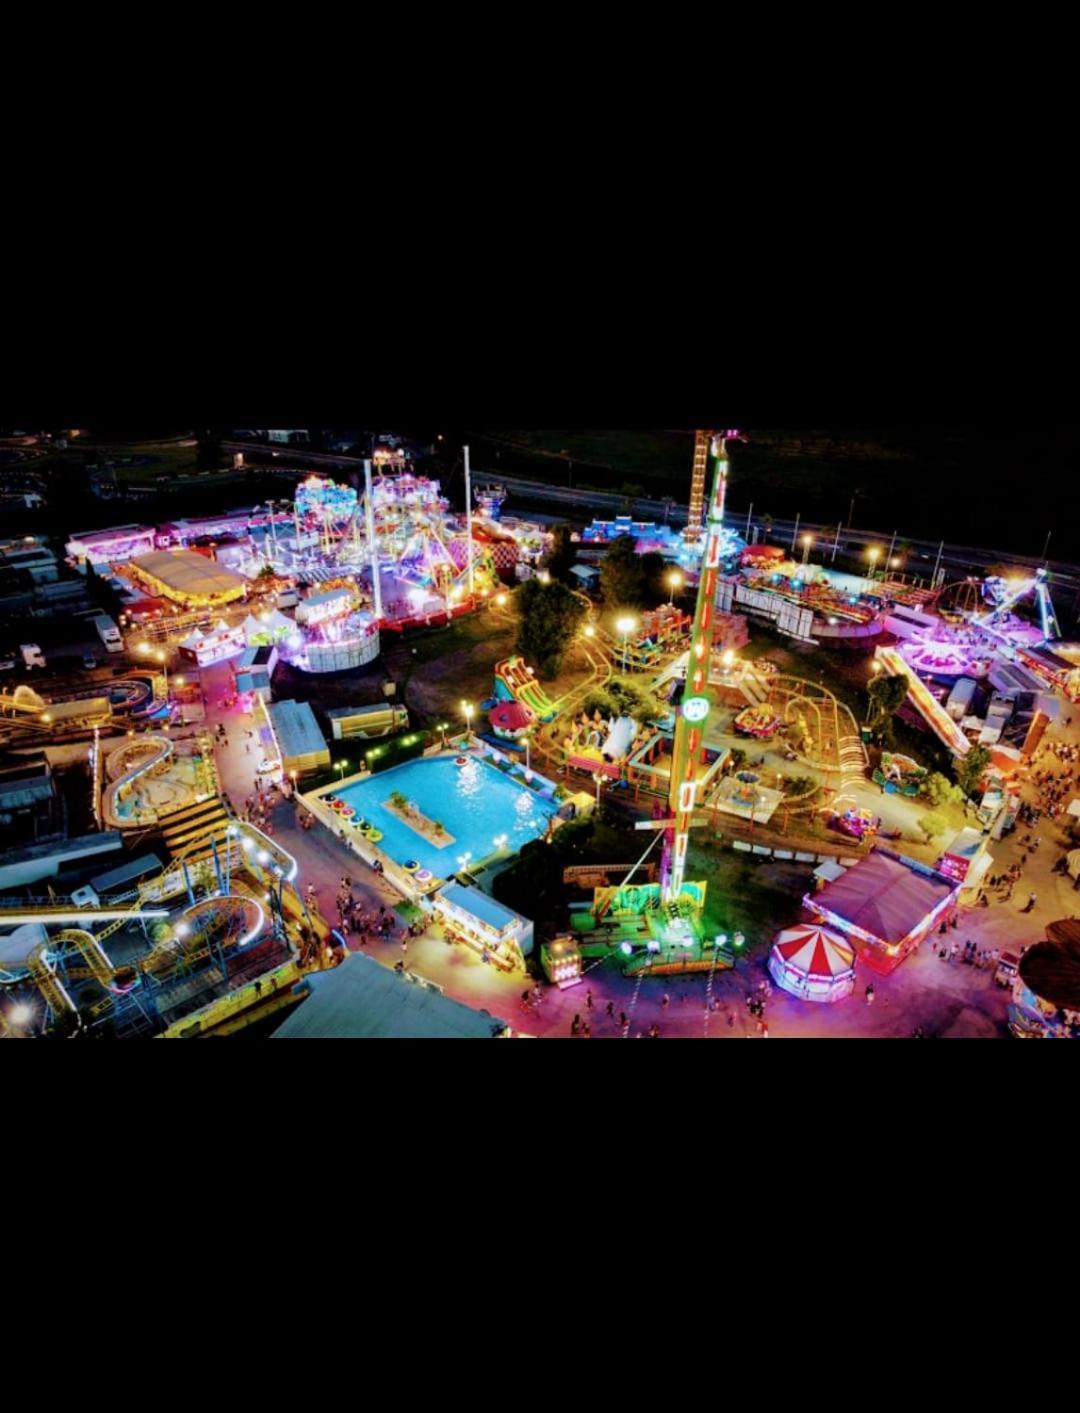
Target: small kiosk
(561,961)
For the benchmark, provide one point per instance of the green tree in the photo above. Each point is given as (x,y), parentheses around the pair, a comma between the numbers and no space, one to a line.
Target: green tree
(940,791)
(560,558)
(654,569)
(886,695)
(969,769)
(550,615)
(622,576)
(631,700)
(931,825)
(533,886)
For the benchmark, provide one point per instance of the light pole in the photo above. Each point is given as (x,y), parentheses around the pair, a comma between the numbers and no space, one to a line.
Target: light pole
(160,656)
(599,779)
(467,710)
(625,626)
(340,766)
(872,555)
(674,582)
(807,540)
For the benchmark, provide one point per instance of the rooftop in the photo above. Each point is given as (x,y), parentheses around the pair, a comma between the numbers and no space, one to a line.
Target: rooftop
(886,896)
(360,999)
(1052,971)
(189,574)
(295,728)
(479,905)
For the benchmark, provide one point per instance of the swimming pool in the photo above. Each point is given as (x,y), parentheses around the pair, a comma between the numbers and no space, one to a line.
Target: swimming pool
(473,802)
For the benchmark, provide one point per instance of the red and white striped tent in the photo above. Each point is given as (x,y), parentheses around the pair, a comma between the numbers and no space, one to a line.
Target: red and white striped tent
(813,963)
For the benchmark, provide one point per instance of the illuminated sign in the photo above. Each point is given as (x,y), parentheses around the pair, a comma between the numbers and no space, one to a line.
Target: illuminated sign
(695,709)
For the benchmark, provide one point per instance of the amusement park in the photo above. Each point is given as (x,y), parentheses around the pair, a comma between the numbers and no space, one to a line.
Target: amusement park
(381,759)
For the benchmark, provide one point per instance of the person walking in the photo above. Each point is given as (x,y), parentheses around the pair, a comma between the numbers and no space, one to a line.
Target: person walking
(666,1002)
(870,994)
(588,1001)
(575,1025)
(1029,904)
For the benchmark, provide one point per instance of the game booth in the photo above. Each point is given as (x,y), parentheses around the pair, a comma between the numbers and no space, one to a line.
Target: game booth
(884,905)
(212,645)
(813,963)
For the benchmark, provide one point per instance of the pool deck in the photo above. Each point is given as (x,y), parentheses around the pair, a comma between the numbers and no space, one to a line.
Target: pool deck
(404,882)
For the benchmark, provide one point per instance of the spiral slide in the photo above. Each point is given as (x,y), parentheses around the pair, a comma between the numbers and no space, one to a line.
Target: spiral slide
(137,759)
(514,682)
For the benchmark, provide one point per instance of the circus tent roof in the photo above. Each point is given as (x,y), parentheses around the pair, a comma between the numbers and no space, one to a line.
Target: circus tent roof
(815,951)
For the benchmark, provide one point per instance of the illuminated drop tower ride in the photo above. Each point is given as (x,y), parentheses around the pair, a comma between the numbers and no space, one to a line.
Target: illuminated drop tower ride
(696,703)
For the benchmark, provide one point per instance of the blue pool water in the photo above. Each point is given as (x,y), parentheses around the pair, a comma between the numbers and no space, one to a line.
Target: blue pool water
(473,802)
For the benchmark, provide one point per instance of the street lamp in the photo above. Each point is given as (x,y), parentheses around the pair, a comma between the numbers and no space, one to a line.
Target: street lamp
(467,710)
(674,582)
(21,1015)
(341,766)
(625,626)
(162,658)
(807,540)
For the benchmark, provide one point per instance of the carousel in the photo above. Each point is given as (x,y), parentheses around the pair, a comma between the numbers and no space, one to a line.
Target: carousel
(812,963)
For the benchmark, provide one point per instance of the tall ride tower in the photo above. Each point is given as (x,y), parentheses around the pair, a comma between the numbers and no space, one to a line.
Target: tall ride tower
(697,486)
(696,703)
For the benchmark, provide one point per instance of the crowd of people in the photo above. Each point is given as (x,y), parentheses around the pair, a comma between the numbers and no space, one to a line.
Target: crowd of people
(984,958)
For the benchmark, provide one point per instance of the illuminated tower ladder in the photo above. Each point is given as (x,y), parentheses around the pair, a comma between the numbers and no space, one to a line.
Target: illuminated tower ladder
(697,486)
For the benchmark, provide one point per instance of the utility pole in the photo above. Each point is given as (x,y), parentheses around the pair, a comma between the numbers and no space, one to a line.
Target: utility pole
(795,532)
(749,517)
(468,521)
(836,544)
(937,562)
(373,553)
